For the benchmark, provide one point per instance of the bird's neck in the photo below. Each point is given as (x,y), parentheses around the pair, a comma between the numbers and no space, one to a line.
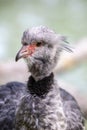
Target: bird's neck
(40,67)
(41,87)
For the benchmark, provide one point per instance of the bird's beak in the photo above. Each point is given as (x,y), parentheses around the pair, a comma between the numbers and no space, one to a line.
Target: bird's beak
(25,51)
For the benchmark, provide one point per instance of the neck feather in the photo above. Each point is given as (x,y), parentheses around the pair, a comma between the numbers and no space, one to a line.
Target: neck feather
(41,87)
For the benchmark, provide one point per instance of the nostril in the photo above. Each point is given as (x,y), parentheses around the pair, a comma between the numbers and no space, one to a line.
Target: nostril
(25,44)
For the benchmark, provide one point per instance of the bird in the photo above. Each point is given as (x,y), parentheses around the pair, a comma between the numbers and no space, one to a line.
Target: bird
(39,104)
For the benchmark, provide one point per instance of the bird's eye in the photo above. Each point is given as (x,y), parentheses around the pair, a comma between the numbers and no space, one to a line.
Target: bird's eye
(25,44)
(39,44)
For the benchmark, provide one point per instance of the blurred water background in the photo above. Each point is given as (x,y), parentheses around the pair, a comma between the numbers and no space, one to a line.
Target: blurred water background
(67,17)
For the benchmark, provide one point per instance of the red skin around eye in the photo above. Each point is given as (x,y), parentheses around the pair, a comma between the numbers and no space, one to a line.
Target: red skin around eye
(31,49)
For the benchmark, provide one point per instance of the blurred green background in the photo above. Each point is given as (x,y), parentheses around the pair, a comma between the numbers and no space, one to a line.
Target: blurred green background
(67,17)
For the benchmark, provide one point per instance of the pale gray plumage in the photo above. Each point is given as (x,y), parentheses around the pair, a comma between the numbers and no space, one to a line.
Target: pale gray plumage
(42,105)
(48,53)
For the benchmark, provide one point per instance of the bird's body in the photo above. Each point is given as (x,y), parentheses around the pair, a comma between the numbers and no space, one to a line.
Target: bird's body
(42,108)
(40,104)
(10,95)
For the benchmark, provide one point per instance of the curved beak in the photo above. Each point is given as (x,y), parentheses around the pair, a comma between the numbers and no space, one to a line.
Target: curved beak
(25,51)
(22,53)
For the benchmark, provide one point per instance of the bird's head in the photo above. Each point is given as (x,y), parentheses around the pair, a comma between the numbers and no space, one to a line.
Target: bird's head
(41,48)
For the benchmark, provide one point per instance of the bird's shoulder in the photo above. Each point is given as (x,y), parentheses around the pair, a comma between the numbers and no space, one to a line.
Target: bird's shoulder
(74,116)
